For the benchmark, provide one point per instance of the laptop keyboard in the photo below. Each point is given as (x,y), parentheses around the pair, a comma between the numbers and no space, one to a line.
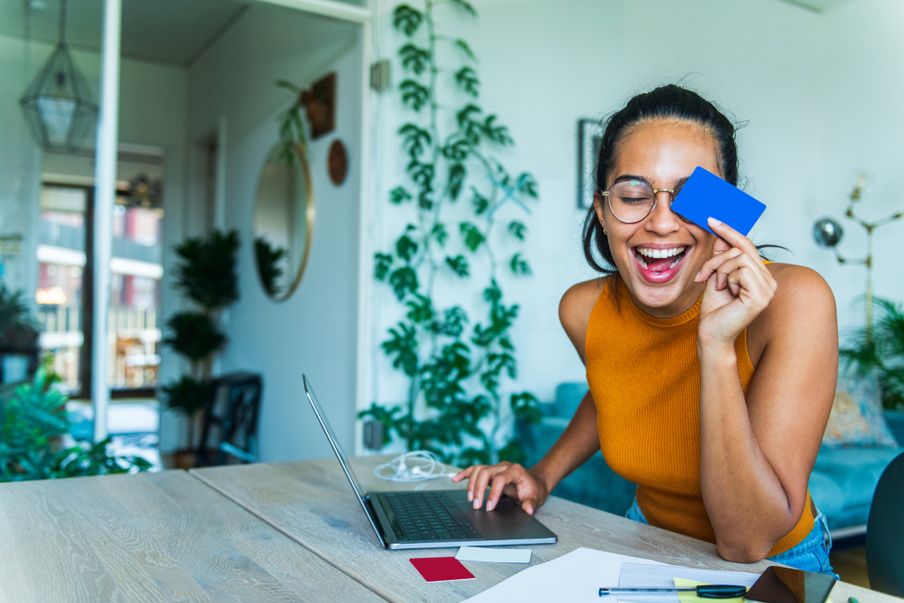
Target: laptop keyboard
(428,516)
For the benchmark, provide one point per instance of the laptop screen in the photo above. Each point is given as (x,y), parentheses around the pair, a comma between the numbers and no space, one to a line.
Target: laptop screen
(331,436)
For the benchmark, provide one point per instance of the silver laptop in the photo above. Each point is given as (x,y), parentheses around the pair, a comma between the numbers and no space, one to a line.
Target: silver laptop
(434,518)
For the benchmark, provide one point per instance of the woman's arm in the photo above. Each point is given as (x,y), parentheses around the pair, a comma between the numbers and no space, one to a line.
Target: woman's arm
(576,444)
(757,450)
(581,438)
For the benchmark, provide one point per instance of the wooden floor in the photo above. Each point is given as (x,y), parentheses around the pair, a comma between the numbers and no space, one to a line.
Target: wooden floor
(850,564)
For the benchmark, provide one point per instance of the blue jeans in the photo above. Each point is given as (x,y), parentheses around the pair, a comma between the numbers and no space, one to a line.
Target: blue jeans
(810,554)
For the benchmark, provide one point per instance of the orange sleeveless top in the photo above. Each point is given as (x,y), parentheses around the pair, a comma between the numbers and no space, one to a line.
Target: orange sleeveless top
(644,376)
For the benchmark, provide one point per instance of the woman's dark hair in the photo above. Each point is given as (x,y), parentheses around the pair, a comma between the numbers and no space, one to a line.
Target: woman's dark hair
(665,102)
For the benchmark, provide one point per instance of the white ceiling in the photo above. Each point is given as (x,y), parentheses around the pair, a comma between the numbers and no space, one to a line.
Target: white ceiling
(166,31)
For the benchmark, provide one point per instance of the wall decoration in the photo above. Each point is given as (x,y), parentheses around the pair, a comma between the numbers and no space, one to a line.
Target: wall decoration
(337,162)
(319,102)
(283,220)
(284,203)
(590,135)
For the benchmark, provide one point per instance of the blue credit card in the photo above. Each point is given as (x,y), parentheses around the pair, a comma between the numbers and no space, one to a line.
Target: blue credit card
(705,195)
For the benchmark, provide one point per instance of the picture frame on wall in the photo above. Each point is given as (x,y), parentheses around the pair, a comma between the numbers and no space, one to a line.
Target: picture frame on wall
(590,136)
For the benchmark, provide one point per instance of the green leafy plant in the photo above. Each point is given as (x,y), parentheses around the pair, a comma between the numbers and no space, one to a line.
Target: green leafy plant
(292,132)
(206,270)
(195,335)
(187,395)
(269,258)
(459,197)
(33,423)
(881,351)
(13,309)
(17,326)
(206,275)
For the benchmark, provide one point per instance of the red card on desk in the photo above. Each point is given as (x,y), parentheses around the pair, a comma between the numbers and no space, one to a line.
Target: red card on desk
(441,569)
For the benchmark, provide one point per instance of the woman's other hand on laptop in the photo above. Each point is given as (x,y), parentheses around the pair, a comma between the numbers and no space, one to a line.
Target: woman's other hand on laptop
(516,481)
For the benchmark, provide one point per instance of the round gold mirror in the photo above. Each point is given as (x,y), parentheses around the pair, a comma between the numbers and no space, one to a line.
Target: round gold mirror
(283,220)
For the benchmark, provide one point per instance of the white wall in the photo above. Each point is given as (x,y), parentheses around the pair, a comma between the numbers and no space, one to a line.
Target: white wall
(863,125)
(314,330)
(807,86)
(19,164)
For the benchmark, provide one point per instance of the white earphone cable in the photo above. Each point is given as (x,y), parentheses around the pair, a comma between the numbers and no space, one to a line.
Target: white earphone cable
(414,466)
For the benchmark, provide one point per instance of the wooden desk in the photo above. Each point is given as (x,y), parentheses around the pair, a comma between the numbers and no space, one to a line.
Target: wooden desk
(312,503)
(301,536)
(151,537)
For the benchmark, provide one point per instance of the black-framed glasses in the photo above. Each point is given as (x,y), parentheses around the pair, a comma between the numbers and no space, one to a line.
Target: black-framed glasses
(632,199)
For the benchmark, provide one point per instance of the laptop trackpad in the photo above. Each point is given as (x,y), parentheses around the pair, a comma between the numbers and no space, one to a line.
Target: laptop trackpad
(506,521)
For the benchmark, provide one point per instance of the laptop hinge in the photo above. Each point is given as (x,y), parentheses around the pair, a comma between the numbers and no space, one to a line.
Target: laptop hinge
(378,519)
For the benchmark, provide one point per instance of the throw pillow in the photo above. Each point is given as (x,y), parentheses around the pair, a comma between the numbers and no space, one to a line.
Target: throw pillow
(857,418)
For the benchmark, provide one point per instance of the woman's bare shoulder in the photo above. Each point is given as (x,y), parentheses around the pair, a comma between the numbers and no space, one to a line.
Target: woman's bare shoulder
(575,308)
(799,288)
(803,305)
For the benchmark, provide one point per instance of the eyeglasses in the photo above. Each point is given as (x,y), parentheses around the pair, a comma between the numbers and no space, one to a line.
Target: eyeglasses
(631,200)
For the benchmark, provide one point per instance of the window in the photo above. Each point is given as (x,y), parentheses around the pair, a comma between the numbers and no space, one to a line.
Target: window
(64,290)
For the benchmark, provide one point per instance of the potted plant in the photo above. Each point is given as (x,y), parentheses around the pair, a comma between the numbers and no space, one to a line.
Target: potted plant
(206,275)
(18,334)
(880,350)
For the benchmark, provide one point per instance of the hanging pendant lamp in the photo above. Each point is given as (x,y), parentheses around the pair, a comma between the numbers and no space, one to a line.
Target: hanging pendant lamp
(58,105)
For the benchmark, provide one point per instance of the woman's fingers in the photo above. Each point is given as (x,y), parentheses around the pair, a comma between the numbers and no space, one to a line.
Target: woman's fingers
(499,483)
(747,278)
(472,482)
(502,478)
(713,263)
(463,474)
(517,482)
(481,479)
(732,236)
(729,273)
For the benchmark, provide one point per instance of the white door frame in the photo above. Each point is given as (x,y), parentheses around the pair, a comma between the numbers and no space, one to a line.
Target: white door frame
(104,192)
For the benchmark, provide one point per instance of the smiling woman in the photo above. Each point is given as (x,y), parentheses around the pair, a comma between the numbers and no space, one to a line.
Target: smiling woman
(691,343)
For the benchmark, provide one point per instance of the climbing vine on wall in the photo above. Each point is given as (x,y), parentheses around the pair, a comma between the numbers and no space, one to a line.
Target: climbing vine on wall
(460,199)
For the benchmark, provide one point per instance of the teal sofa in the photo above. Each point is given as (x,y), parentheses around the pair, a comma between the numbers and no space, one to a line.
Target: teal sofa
(842,482)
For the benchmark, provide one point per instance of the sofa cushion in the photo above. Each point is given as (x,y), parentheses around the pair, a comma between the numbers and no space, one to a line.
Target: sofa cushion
(857,418)
(828,496)
(895,421)
(844,479)
(568,398)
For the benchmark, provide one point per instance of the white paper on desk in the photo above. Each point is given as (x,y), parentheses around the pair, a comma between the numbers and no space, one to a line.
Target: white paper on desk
(483,553)
(575,576)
